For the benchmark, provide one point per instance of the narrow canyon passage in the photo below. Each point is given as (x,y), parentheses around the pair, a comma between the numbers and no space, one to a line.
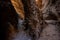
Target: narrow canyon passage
(30,19)
(42,20)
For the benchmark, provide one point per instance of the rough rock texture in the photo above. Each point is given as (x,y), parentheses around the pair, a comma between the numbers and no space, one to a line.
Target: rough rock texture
(42,22)
(41,19)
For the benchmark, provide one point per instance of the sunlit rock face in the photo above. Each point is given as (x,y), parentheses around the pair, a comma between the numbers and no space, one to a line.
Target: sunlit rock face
(18,7)
(39,3)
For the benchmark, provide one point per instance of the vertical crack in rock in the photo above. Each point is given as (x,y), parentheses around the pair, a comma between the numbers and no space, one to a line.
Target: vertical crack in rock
(34,18)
